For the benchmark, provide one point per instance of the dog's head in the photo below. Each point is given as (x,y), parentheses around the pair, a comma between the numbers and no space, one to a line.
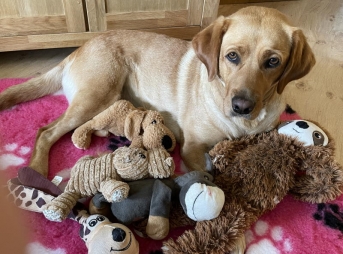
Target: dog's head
(254,53)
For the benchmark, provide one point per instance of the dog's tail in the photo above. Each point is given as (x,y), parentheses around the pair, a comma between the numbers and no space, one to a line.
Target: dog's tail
(34,88)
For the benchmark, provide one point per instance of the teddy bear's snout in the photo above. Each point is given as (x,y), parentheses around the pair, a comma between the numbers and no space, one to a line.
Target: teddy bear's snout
(127,159)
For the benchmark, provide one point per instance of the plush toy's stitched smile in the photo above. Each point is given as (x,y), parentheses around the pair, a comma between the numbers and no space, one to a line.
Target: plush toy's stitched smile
(127,246)
(195,202)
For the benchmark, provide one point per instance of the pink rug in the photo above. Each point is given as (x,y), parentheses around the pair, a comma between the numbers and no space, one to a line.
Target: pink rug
(293,227)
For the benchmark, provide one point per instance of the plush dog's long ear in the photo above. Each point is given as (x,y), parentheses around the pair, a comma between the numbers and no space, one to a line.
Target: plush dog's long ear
(133,124)
(300,62)
(207,45)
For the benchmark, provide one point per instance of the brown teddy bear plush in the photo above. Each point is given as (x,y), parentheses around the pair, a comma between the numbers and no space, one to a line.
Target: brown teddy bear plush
(105,174)
(144,128)
(256,172)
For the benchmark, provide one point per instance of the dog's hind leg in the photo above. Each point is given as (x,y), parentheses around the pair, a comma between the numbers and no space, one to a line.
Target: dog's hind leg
(79,111)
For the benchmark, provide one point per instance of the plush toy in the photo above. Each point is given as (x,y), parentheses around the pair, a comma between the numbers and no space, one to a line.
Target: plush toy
(144,128)
(152,199)
(104,174)
(102,236)
(256,172)
(99,234)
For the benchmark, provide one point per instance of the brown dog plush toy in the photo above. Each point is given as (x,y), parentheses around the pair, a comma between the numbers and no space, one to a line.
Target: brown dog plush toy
(256,172)
(144,128)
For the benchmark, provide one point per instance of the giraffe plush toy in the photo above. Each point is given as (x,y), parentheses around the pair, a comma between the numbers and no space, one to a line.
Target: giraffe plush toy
(99,234)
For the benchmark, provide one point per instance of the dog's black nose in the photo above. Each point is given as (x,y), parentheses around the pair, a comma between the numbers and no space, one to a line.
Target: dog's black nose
(118,235)
(167,142)
(242,106)
(302,124)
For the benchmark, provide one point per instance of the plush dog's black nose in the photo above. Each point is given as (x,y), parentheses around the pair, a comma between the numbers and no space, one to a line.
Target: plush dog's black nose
(118,235)
(167,142)
(302,124)
(242,106)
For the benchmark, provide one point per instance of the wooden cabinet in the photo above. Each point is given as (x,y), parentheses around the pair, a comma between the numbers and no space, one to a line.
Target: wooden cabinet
(38,24)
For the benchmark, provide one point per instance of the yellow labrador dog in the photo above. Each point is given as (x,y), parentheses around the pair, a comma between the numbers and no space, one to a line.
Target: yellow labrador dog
(225,83)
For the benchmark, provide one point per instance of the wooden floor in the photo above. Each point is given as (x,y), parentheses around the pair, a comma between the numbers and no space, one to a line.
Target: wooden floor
(318,96)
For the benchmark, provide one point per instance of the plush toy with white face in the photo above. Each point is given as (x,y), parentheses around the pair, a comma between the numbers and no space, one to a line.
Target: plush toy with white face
(103,236)
(304,131)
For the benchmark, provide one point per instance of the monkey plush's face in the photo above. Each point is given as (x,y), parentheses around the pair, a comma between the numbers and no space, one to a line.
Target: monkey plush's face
(304,131)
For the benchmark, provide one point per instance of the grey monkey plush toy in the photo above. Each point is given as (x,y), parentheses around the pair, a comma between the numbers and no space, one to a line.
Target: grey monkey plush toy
(200,198)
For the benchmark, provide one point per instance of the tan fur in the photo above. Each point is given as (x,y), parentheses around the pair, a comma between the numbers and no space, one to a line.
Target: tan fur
(191,83)
(91,175)
(144,128)
(157,227)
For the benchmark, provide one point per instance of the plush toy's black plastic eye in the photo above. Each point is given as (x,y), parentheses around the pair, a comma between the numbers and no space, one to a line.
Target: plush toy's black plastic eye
(92,223)
(142,156)
(153,122)
(100,218)
(317,135)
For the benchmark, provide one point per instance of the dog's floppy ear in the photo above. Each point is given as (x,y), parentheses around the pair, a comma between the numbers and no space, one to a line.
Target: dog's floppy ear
(207,45)
(133,124)
(300,61)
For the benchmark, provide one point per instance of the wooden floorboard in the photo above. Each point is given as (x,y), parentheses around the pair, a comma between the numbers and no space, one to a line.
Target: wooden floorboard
(318,96)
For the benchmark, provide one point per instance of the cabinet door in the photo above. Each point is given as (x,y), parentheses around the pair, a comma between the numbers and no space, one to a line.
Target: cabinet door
(28,17)
(157,15)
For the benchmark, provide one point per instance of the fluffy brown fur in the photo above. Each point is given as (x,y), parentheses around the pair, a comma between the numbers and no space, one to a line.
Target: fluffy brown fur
(256,172)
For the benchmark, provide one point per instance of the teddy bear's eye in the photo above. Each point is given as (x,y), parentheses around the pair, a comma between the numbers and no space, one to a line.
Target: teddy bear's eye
(142,156)
(153,122)
(317,135)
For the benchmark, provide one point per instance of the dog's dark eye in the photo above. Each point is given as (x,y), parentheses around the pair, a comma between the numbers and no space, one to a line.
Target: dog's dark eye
(153,122)
(273,62)
(142,156)
(233,57)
